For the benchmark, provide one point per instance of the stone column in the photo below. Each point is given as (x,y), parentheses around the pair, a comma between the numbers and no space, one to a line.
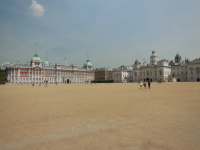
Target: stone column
(11,76)
(14,76)
(18,75)
(35,75)
(28,76)
(31,75)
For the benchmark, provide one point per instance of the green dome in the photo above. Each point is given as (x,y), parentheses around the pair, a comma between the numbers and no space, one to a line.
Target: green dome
(36,57)
(87,63)
(46,62)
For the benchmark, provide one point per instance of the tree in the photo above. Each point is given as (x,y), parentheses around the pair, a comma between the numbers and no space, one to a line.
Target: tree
(2,77)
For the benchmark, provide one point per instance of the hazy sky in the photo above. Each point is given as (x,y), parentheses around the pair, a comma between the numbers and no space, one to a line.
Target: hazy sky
(113,31)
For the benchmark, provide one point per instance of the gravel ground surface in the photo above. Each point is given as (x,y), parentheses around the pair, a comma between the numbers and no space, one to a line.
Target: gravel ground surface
(100,116)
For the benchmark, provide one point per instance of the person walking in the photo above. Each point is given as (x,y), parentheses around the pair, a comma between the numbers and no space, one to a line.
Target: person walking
(46,84)
(141,83)
(149,83)
(145,86)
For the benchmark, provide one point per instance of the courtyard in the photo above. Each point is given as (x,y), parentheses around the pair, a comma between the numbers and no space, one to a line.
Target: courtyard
(100,116)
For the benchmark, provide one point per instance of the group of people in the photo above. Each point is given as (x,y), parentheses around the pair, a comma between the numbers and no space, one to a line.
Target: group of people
(145,84)
(160,82)
(40,84)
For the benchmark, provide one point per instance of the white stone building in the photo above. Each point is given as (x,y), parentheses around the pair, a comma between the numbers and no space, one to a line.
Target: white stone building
(38,72)
(155,71)
(121,74)
(183,71)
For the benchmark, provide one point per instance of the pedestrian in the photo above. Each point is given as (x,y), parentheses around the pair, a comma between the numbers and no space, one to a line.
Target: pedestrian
(141,84)
(164,81)
(149,83)
(56,83)
(40,84)
(144,85)
(46,84)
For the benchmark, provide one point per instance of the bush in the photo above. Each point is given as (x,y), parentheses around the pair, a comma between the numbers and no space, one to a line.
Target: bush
(2,78)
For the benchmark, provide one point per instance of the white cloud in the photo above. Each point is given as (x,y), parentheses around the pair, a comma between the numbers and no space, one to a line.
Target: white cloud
(38,10)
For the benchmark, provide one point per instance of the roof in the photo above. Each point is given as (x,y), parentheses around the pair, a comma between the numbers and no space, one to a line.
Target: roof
(36,57)
(87,63)
(46,62)
(178,55)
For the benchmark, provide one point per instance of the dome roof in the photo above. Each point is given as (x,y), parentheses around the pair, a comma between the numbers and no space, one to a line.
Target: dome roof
(87,63)
(36,57)
(178,55)
(46,62)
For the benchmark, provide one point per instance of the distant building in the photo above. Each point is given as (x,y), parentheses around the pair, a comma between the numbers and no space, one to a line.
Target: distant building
(103,74)
(121,74)
(38,72)
(163,70)
(185,70)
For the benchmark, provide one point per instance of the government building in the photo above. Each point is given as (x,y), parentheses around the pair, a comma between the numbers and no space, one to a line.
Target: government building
(163,70)
(36,71)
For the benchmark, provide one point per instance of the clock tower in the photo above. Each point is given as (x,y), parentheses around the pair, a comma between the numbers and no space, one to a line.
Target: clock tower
(153,58)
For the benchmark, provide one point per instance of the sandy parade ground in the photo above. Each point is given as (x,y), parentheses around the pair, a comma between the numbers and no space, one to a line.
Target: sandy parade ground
(100,117)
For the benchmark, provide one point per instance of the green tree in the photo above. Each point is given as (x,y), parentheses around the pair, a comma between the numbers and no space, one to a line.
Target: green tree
(2,77)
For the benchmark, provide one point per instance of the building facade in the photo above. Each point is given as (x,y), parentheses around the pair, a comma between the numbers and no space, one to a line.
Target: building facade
(103,74)
(183,71)
(164,70)
(38,72)
(121,74)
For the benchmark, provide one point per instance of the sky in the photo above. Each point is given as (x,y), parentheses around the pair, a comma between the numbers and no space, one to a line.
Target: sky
(114,32)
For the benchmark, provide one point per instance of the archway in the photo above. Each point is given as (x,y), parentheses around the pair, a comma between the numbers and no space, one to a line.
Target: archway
(198,80)
(178,80)
(67,81)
